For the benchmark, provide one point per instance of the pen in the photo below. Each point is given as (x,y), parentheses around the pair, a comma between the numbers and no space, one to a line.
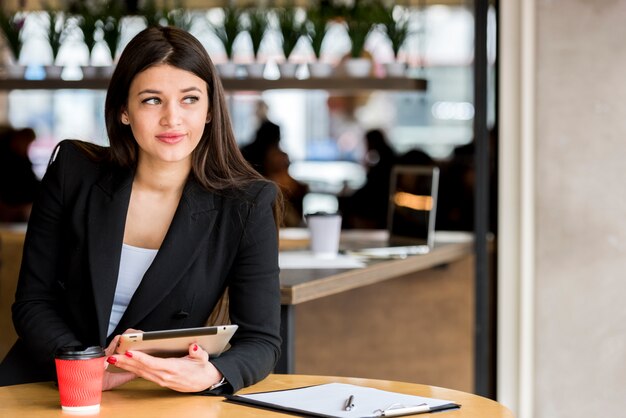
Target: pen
(396,412)
(350,403)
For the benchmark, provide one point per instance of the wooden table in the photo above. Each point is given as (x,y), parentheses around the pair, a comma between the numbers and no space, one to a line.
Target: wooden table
(141,398)
(368,321)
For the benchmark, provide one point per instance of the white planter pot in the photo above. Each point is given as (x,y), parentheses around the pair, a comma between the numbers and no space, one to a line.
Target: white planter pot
(11,68)
(255,70)
(15,71)
(105,71)
(89,71)
(320,69)
(53,72)
(227,69)
(395,69)
(287,69)
(358,67)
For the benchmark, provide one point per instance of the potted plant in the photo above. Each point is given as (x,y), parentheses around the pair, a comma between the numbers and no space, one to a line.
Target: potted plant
(111,26)
(395,22)
(316,27)
(360,20)
(11,26)
(56,36)
(290,30)
(151,14)
(179,16)
(87,21)
(256,27)
(227,33)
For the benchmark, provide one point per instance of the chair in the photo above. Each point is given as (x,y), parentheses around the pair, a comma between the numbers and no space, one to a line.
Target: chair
(11,247)
(220,316)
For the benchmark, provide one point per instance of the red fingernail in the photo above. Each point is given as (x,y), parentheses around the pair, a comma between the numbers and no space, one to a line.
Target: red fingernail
(111,360)
(128,354)
(195,347)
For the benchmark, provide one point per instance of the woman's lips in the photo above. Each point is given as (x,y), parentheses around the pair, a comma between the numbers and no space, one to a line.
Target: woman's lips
(170,138)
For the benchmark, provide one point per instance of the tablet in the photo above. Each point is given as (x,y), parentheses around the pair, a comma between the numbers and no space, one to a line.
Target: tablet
(175,342)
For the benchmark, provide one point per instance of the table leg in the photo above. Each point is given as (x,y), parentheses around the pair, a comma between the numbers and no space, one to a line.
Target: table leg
(286,362)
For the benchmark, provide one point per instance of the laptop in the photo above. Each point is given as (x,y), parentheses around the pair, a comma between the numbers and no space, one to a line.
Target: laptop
(411,215)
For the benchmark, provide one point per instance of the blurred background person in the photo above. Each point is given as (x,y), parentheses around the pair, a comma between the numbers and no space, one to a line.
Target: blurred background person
(18,183)
(276,164)
(367,207)
(266,156)
(267,137)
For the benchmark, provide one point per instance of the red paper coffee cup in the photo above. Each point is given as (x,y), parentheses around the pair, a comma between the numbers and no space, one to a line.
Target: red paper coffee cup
(79,371)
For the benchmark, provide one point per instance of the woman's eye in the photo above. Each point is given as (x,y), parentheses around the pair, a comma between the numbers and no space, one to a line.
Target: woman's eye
(151,100)
(190,99)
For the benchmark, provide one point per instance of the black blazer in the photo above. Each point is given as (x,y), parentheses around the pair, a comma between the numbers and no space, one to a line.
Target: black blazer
(71,261)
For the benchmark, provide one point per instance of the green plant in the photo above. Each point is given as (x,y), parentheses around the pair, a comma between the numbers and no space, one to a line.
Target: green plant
(360,20)
(151,13)
(111,25)
(316,27)
(179,17)
(57,25)
(56,30)
(395,21)
(166,15)
(256,27)
(11,26)
(230,28)
(290,29)
(87,20)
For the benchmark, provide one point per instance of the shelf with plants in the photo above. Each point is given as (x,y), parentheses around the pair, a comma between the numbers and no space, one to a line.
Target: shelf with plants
(292,24)
(244,84)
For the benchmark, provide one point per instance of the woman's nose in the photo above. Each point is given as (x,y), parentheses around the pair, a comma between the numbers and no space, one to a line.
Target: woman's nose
(171,115)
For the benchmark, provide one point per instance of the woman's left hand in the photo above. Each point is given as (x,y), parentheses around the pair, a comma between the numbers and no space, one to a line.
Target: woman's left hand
(110,379)
(192,373)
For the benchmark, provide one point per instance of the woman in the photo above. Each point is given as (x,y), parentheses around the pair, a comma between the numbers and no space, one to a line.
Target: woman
(148,234)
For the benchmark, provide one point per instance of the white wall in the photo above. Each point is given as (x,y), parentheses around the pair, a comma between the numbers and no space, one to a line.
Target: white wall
(566,119)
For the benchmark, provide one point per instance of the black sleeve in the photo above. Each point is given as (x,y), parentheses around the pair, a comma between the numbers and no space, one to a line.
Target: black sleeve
(37,307)
(254,292)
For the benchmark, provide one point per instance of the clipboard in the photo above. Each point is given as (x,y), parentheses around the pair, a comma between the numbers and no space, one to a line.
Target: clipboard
(340,400)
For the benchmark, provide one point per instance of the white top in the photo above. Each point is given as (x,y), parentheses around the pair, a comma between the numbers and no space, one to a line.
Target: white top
(133,265)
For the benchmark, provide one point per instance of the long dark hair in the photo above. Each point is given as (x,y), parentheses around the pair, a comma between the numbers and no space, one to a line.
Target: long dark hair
(217,163)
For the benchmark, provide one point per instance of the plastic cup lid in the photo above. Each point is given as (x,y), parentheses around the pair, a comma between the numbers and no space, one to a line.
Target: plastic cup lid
(79,352)
(308,215)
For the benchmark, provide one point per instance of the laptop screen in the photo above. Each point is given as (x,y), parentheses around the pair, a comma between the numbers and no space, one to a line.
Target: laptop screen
(412,205)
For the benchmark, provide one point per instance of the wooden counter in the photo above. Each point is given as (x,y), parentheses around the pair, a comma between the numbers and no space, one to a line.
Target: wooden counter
(410,320)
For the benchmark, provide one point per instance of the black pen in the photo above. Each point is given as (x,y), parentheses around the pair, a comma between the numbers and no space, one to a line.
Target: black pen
(350,403)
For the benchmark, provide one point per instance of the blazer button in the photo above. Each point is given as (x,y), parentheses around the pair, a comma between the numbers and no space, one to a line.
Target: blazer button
(181,315)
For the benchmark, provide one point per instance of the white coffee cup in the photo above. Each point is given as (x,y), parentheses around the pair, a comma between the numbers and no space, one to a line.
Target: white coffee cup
(325,231)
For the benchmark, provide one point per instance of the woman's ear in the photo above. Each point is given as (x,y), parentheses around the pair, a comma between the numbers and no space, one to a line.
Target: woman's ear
(208,117)
(124,118)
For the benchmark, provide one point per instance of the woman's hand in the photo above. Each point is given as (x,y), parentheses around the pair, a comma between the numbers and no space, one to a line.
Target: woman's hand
(113,379)
(191,373)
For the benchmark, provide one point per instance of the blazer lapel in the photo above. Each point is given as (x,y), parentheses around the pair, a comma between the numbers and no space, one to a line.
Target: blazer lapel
(191,226)
(106,218)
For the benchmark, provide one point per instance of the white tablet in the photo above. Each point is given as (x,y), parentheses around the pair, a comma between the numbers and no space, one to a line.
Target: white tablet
(175,342)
